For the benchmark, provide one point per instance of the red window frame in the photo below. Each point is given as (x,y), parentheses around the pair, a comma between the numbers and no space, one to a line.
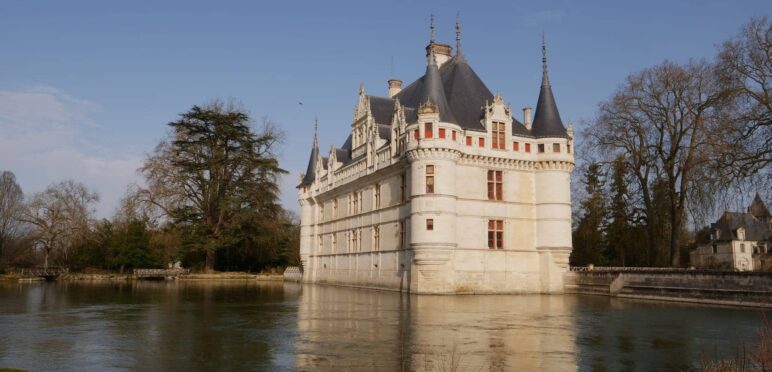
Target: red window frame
(528,147)
(428,130)
(416,134)
(469,140)
(495,185)
(441,133)
(429,224)
(481,142)
(516,146)
(454,135)
(429,179)
(498,135)
(495,234)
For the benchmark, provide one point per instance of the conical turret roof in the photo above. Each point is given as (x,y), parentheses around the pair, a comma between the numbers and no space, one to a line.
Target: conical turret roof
(546,120)
(758,209)
(433,92)
(310,175)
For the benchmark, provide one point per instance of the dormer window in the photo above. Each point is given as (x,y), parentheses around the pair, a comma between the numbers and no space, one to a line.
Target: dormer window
(428,132)
(741,234)
(498,134)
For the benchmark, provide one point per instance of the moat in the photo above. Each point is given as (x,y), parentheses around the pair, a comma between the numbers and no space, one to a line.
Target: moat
(237,325)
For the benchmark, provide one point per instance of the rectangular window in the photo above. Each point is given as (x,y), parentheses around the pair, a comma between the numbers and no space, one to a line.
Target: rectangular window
(376,238)
(469,140)
(498,133)
(355,205)
(416,134)
(556,147)
(495,234)
(428,132)
(402,235)
(481,142)
(495,185)
(454,135)
(715,248)
(377,196)
(335,208)
(361,205)
(321,212)
(442,133)
(402,187)
(568,147)
(742,247)
(541,148)
(528,147)
(429,224)
(516,146)
(430,179)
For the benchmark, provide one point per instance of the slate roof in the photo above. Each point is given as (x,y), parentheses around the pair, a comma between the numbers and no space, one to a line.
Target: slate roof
(727,225)
(460,96)
(546,120)
(758,209)
(382,109)
(310,174)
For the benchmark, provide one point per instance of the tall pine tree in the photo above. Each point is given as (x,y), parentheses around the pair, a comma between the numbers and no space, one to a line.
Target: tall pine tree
(589,242)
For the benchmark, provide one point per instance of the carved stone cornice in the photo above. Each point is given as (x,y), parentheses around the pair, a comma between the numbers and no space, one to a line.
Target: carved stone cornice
(433,153)
(561,165)
(490,161)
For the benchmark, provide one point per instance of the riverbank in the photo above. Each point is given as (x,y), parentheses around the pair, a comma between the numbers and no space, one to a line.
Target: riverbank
(117,277)
(748,289)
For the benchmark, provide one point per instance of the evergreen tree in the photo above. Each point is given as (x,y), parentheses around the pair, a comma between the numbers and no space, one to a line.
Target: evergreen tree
(619,231)
(217,179)
(589,243)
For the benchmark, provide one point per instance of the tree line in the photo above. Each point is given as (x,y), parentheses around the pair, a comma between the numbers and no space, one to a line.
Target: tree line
(667,145)
(211,202)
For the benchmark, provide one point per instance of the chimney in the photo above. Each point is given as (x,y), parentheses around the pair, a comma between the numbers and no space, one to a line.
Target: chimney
(395,86)
(527,117)
(442,52)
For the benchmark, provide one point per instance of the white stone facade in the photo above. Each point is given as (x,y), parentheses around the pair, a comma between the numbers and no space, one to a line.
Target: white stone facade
(375,220)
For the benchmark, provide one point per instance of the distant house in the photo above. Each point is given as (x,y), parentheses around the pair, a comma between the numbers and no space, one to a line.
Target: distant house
(740,241)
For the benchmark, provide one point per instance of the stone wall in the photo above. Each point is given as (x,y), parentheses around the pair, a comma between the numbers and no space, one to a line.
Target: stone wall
(714,287)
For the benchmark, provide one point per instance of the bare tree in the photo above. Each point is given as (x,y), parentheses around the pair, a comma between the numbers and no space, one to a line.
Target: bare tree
(11,206)
(745,70)
(59,215)
(660,123)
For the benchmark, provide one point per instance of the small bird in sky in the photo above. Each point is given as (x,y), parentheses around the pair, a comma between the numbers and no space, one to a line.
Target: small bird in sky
(300,103)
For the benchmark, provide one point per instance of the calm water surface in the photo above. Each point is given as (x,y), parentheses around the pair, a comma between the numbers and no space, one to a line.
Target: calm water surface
(190,326)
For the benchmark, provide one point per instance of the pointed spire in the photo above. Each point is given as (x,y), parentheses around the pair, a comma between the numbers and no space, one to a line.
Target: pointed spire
(316,131)
(458,34)
(431,29)
(545,80)
(310,175)
(546,120)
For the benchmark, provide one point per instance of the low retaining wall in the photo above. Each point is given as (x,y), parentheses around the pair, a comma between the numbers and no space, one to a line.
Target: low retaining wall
(726,288)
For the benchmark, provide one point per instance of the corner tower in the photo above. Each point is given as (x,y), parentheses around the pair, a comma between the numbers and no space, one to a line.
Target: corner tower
(552,179)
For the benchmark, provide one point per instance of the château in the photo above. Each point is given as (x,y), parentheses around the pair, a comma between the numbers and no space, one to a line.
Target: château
(440,189)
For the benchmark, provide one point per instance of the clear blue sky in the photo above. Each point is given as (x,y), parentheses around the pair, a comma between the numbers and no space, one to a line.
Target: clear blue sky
(86,87)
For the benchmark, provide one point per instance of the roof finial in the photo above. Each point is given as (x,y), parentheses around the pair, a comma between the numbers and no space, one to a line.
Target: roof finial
(458,33)
(431,29)
(316,130)
(545,80)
